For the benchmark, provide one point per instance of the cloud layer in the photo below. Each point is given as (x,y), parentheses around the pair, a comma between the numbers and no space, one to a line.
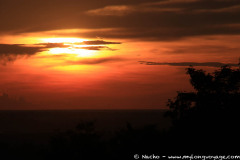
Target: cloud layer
(141,19)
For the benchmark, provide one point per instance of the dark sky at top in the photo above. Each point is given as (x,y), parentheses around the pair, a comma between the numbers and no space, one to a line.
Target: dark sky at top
(142,19)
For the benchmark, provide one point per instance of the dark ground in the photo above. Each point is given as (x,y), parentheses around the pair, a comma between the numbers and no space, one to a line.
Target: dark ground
(40,134)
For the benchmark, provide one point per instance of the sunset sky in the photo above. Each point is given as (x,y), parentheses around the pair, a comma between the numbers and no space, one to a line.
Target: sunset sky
(110,54)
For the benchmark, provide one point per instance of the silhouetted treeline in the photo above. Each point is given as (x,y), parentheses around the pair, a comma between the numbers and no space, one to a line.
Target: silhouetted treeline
(208,119)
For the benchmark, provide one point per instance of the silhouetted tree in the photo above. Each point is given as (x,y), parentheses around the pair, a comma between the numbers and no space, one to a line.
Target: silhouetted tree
(211,114)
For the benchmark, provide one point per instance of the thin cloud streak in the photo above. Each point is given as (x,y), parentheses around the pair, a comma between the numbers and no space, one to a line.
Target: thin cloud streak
(98,42)
(94,61)
(207,64)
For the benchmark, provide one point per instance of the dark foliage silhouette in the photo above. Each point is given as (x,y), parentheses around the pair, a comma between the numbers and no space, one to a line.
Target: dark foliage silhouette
(85,143)
(208,119)
(81,143)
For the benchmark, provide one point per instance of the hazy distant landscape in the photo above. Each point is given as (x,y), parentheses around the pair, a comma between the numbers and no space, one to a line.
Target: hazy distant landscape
(24,125)
(28,134)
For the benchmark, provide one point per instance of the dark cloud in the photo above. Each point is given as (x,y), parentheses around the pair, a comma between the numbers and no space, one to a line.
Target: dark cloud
(10,52)
(94,61)
(98,42)
(123,10)
(64,45)
(40,15)
(193,5)
(142,19)
(163,32)
(170,20)
(53,45)
(208,64)
(97,48)
(204,49)
(18,49)
(119,10)
(92,45)
(26,50)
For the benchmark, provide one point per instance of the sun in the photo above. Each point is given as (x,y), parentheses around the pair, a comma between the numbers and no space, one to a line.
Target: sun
(73,47)
(73,52)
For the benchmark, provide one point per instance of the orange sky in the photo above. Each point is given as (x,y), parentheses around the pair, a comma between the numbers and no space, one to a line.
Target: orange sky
(59,61)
